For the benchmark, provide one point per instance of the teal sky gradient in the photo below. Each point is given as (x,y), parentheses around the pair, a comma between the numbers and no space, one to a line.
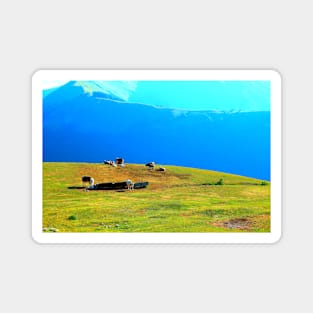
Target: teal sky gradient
(205,95)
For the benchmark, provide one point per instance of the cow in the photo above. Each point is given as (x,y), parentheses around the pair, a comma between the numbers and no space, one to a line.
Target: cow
(109,162)
(151,165)
(120,162)
(130,184)
(161,169)
(88,179)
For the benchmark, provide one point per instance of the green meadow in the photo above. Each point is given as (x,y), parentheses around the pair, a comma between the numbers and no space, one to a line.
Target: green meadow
(180,199)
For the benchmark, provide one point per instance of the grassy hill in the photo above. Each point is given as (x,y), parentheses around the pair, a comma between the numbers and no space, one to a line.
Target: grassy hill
(178,200)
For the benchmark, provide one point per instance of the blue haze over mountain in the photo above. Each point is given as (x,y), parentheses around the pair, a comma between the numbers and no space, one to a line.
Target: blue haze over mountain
(166,122)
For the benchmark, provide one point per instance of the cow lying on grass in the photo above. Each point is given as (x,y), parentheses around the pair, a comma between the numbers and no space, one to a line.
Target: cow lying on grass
(151,165)
(109,162)
(161,169)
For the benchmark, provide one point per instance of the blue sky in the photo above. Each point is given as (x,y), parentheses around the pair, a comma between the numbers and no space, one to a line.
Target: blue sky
(190,95)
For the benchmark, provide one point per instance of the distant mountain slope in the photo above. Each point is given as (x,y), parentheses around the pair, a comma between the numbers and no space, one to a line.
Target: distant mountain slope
(84,126)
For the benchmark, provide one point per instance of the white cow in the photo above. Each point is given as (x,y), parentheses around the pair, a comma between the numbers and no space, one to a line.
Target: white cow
(130,184)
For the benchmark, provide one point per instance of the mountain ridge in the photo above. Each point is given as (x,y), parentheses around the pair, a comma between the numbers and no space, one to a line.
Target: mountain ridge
(78,127)
(103,91)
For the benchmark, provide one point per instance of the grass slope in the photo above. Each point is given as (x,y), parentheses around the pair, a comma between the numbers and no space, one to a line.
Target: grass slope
(178,200)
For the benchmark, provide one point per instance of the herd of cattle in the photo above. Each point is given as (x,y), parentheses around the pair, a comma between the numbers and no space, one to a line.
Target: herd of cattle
(119,162)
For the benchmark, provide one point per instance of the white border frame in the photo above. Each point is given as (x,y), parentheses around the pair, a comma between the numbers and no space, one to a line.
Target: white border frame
(157,238)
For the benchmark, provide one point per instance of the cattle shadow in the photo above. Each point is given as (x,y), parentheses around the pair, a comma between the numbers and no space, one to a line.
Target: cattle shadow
(76,187)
